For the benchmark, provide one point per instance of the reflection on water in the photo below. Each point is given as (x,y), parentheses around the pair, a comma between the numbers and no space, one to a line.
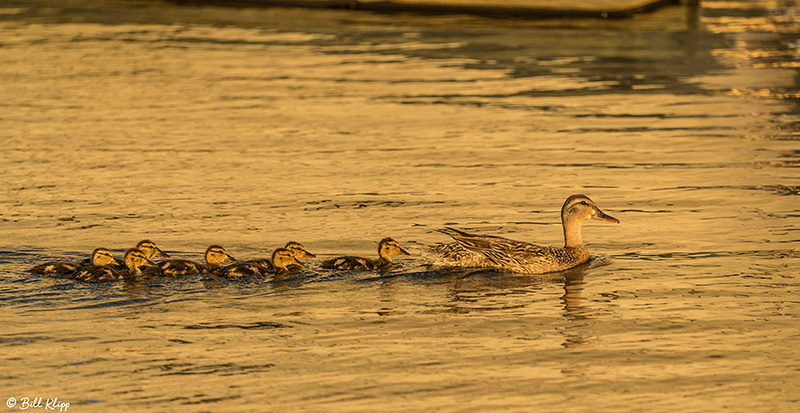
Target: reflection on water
(251,127)
(575,306)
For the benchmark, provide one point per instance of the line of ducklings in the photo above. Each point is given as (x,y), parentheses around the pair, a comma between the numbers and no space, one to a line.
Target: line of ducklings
(137,261)
(466,250)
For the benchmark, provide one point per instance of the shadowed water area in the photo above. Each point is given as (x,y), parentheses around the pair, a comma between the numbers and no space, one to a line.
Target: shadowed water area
(248,128)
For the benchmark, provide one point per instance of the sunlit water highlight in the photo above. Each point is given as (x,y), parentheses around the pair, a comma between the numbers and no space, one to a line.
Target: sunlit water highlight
(249,128)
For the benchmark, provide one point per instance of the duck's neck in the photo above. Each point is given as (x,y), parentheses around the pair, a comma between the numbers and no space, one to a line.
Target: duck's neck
(572,233)
(211,266)
(385,258)
(134,270)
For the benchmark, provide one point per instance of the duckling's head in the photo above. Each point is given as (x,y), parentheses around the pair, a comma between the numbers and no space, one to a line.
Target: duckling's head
(103,256)
(580,208)
(135,258)
(298,250)
(282,258)
(216,255)
(150,249)
(388,247)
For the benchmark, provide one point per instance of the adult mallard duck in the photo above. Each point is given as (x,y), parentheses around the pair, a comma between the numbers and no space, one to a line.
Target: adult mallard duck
(487,251)
(215,255)
(282,259)
(386,248)
(134,259)
(100,257)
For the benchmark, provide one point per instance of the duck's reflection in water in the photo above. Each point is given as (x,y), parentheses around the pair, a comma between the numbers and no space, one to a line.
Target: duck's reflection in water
(386,297)
(576,308)
(473,291)
(575,305)
(285,281)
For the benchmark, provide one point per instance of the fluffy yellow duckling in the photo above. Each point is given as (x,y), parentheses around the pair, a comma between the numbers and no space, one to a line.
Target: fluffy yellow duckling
(282,259)
(215,255)
(265,265)
(134,259)
(386,248)
(100,257)
(150,249)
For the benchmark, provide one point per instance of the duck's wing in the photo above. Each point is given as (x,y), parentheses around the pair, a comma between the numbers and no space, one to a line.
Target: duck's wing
(499,251)
(98,274)
(349,263)
(175,268)
(263,264)
(478,243)
(240,270)
(55,269)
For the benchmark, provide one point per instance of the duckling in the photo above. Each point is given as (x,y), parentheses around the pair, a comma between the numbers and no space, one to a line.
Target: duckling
(386,248)
(99,257)
(134,258)
(215,255)
(487,251)
(282,258)
(297,249)
(150,249)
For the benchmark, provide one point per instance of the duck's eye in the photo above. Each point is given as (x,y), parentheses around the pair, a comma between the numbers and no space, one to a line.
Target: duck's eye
(584,203)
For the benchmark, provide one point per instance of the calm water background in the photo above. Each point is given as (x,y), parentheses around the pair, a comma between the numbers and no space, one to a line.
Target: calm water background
(125,120)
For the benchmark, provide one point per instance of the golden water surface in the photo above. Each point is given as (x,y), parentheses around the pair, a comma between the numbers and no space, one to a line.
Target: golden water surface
(125,120)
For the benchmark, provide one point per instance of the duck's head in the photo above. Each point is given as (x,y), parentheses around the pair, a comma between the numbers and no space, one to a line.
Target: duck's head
(216,255)
(282,258)
(298,250)
(150,249)
(388,247)
(580,208)
(104,256)
(135,258)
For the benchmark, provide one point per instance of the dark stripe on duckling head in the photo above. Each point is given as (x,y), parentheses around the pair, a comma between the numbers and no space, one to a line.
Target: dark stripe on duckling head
(135,258)
(104,256)
(389,246)
(216,255)
(282,258)
(151,249)
(298,249)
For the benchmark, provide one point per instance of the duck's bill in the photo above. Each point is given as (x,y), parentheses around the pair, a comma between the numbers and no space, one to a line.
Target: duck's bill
(160,253)
(602,216)
(402,251)
(308,254)
(229,258)
(148,263)
(295,262)
(117,263)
